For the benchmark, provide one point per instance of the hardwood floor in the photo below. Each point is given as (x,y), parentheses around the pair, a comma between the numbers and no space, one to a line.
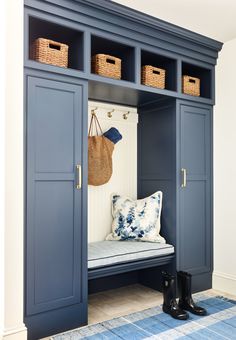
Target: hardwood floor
(118,302)
(114,303)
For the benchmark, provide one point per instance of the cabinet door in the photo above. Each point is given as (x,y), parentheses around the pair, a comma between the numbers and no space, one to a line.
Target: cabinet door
(195,223)
(56,259)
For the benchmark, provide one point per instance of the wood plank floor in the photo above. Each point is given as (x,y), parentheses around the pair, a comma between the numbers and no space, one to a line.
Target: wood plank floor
(114,303)
(119,302)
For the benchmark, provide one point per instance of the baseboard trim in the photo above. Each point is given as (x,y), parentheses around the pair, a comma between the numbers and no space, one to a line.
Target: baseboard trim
(224,282)
(15,334)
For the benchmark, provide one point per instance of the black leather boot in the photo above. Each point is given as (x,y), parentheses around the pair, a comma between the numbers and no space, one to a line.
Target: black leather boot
(186,301)
(170,305)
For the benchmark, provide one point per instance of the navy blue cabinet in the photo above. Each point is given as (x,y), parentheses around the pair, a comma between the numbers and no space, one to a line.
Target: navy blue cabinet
(194,232)
(174,148)
(175,156)
(56,276)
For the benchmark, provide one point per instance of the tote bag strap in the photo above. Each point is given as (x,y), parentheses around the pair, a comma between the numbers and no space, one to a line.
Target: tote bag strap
(94,123)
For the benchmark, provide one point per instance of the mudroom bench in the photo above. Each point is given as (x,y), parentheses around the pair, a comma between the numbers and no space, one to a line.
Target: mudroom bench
(108,258)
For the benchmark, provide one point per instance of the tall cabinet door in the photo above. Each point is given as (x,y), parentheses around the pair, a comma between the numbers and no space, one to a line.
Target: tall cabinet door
(56,254)
(194,251)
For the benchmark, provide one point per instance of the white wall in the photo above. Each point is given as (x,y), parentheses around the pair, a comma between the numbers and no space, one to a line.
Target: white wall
(2,161)
(11,323)
(124,177)
(224,278)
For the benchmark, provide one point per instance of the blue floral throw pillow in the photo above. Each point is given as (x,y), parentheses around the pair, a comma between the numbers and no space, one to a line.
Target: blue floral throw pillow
(136,220)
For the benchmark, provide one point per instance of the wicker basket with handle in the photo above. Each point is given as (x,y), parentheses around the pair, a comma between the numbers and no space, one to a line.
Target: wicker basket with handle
(191,85)
(153,76)
(106,65)
(50,52)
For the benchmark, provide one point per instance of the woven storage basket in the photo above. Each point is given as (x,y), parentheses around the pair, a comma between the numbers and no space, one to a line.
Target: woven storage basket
(191,85)
(50,52)
(106,65)
(153,76)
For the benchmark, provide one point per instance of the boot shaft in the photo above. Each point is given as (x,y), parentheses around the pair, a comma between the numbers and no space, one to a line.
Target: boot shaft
(169,287)
(185,285)
(186,301)
(170,305)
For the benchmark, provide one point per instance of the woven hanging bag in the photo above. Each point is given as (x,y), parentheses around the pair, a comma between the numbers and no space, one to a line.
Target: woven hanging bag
(100,151)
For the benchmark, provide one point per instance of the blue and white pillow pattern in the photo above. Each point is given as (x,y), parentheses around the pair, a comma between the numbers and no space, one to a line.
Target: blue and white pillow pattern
(136,220)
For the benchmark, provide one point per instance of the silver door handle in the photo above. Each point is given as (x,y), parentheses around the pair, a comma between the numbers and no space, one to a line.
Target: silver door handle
(184,178)
(79,177)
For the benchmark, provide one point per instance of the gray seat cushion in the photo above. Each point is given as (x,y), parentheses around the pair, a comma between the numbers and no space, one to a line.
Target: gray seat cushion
(107,253)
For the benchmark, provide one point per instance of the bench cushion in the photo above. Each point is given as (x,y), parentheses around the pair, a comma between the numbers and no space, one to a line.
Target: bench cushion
(106,253)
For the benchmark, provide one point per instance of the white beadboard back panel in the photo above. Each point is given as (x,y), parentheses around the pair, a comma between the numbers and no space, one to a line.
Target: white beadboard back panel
(124,177)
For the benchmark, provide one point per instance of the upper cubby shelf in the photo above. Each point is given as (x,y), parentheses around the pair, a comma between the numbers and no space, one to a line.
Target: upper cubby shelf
(203,74)
(100,45)
(74,39)
(132,56)
(162,62)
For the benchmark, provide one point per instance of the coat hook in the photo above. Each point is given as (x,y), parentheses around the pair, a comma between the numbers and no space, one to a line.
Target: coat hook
(109,114)
(93,111)
(125,115)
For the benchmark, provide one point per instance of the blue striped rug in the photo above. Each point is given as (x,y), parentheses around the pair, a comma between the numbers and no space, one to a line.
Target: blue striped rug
(220,323)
